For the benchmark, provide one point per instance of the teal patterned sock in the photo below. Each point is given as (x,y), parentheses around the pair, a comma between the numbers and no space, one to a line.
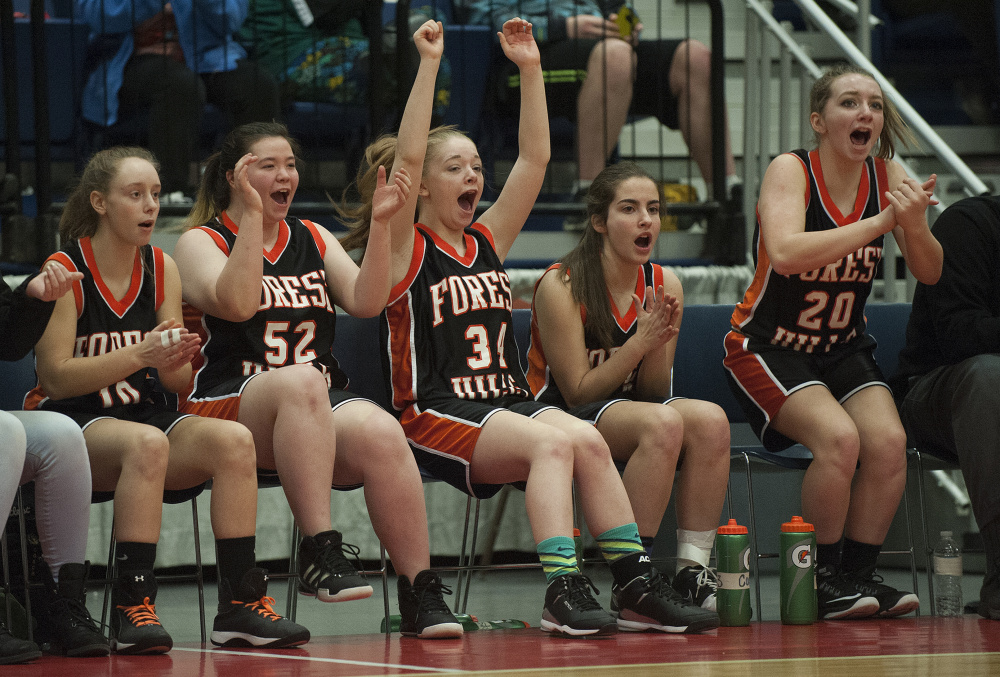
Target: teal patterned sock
(558,556)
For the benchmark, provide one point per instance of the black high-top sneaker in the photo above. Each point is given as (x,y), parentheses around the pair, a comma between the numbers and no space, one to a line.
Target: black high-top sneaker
(422,609)
(698,585)
(135,628)
(891,602)
(325,572)
(247,619)
(14,650)
(571,610)
(649,602)
(70,628)
(838,596)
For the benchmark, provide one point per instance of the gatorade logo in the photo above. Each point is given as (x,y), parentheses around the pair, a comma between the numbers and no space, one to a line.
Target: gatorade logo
(746,558)
(802,556)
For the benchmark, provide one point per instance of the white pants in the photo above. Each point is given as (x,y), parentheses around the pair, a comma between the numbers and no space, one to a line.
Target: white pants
(48,448)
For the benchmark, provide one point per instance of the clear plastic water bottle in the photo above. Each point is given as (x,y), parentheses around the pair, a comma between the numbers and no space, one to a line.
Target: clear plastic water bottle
(947,576)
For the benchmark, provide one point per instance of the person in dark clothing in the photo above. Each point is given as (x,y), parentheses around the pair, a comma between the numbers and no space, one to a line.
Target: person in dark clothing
(48,449)
(947,389)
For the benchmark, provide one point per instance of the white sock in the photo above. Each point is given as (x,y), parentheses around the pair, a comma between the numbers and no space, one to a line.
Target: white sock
(694,548)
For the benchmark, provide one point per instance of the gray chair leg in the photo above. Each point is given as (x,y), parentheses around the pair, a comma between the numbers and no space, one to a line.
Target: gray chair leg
(755,570)
(385,587)
(199,574)
(928,548)
(472,560)
(112,572)
(909,542)
(24,562)
(293,575)
(464,573)
(6,577)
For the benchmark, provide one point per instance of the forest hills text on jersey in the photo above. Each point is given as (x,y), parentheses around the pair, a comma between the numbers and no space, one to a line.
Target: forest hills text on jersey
(465,293)
(819,324)
(858,266)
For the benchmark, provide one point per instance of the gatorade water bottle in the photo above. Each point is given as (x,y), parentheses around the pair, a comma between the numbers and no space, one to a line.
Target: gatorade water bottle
(798,572)
(732,546)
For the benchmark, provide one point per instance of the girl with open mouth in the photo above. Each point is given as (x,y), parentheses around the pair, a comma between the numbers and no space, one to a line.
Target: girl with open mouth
(799,358)
(604,326)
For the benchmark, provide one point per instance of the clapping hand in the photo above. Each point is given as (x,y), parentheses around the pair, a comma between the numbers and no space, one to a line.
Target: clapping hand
(655,319)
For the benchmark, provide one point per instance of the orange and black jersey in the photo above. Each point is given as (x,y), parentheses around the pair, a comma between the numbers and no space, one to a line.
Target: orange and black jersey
(822,309)
(105,324)
(448,328)
(540,379)
(294,323)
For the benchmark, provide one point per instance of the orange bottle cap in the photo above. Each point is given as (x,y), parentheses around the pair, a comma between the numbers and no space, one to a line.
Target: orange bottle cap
(732,528)
(797,525)
(576,532)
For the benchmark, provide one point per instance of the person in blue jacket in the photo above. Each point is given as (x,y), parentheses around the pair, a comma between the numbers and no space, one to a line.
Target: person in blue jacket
(165,61)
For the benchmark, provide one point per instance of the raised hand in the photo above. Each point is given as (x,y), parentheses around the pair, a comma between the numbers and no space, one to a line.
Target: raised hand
(52,282)
(429,40)
(655,320)
(518,43)
(244,192)
(390,197)
(169,346)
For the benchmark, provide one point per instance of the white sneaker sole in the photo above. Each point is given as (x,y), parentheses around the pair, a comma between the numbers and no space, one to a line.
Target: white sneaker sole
(245,639)
(565,630)
(345,595)
(439,631)
(866,607)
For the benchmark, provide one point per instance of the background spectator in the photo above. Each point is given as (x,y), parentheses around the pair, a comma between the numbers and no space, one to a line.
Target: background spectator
(166,61)
(591,72)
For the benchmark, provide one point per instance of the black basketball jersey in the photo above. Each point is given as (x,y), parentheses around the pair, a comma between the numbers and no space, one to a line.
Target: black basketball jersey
(822,309)
(294,323)
(544,386)
(104,324)
(448,328)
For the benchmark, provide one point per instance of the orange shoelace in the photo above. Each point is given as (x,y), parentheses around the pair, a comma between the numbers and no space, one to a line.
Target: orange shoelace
(141,614)
(262,607)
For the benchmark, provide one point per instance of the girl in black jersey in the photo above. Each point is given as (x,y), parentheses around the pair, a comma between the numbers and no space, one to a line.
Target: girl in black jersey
(464,401)
(604,323)
(95,364)
(263,285)
(798,356)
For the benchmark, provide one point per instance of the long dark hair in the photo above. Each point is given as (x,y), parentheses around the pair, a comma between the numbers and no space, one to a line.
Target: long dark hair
(78,216)
(583,264)
(214,193)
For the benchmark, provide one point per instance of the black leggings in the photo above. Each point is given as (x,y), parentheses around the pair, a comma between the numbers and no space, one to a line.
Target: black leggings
(173,96)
